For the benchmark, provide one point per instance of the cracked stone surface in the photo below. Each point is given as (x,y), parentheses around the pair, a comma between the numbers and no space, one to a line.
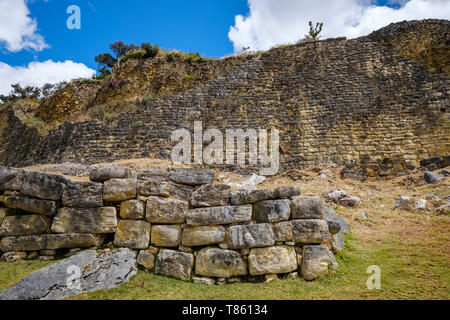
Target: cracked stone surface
(96,271)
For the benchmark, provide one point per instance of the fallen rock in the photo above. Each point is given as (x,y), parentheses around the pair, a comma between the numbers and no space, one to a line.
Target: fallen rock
(315,262)
(168,236)
(132,234)
(329,215)
(205,281)
(166,210)
(272,260)
(25,225)
(403,202)
(444,173)
(202,235)
(250,196)
(211,195)
(12,257)
(84,272)
(43,185)
(174,263)
(146,259)
(50,242)
(286,192)
(421,204)
(116,190)
(337,242)
(85,220)
(193,177)
(271,211)
(11,179)
(31,205)
(334,196)
(250,236)
(104,172)
(306,208)
(82,194)
(350,202)
(431,177)
(132,209)
(215,262)
(219,215)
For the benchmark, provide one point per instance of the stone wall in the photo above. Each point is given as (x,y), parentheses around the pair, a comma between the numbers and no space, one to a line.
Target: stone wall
(332,100)
(181,223)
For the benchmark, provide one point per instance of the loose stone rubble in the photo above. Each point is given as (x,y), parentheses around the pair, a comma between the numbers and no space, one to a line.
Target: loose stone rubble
(177,222)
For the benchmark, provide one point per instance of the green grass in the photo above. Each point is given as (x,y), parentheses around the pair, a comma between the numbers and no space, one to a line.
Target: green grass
(408,271)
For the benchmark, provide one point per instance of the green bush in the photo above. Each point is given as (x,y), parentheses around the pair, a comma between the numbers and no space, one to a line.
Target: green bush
(150,50)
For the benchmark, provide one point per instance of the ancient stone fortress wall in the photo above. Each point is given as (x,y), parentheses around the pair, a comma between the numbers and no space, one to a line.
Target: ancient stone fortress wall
(178,221)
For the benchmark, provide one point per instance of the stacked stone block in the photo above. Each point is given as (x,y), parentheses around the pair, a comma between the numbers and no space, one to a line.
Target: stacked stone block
(182,224)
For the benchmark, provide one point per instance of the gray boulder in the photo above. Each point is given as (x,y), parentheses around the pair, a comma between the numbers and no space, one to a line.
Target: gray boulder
(431,177)
(315,262)
(84,272)
(331,216)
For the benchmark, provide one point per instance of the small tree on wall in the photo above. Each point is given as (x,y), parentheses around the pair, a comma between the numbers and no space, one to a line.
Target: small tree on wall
(314,31)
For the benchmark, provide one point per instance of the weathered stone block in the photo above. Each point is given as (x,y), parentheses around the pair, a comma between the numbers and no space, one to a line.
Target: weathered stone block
(82,194)
(250,236)
(271,211)
(306,208)
(25,225)
(211,195)
(168,236)
(86,220)
(11,179)
(50,241)
(272,260)
(283,231)
(285,192)
(146,260)
(166,210)
(31,205)
(132,209)
(315,262)
(132,234)
(175,264)
(116,190)
(215,262)
(104,172)
(193,177)
(43,185)
(219,215)
(250,196)
(154,188)
(202,235)
(13,256)
(181,191)
(310,231)
(3,213)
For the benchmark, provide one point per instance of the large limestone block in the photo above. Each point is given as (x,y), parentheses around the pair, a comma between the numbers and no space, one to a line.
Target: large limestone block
(272,260)
(315,261)
(168,236)
(31,205)
(117,190)
(215,262)
(11,179)
(43,185)
(211,195)
(285,192)
(104,270)
(271,211)
(181,191)
(146,259)
(3,213)
(202,235)
(250,236)
(25,225)
(50,242)
(306,208)
(219,215)
(193,177)
(283,231)
(104,172)
(132,234)
(166,210)
(175,264)
(250,196)
(83,194)
(154,187)
(310,231)
(132,209)
(85,220)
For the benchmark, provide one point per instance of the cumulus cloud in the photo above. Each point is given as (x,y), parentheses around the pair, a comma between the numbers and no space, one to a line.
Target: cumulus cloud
(18,30)
(40,73)
(273,22)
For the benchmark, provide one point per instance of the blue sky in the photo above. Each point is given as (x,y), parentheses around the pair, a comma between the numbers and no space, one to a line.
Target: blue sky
(37,47)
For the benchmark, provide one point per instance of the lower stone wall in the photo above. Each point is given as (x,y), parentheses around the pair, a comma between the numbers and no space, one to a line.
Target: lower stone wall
(180,222)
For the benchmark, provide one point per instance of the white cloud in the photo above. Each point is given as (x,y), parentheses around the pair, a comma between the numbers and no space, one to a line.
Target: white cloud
(40,73)
(18,30)
(273,22)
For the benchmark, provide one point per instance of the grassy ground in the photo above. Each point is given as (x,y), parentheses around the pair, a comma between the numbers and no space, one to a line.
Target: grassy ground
(411,248)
